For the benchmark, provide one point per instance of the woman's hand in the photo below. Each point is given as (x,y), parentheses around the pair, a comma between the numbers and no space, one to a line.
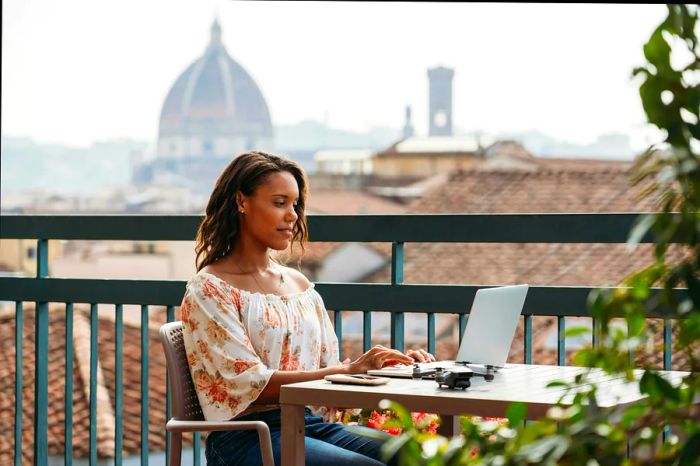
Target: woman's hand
(420,355)
(376,358)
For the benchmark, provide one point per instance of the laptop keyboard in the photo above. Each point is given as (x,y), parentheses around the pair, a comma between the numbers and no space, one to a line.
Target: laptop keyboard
(424,365)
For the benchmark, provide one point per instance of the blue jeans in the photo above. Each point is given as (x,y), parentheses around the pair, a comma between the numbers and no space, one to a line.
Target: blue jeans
(325,443)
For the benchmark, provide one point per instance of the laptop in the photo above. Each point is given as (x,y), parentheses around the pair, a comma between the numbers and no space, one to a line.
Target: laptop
(488,336)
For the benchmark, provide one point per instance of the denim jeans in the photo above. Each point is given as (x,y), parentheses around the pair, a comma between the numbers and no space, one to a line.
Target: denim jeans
(325,443)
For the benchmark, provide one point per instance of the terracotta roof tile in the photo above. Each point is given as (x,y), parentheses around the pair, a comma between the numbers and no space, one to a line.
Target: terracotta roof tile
(56,384)
(554,189)
(347,201)
(560,185)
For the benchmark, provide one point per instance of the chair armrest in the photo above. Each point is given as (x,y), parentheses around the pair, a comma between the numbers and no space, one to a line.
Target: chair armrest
(175,425)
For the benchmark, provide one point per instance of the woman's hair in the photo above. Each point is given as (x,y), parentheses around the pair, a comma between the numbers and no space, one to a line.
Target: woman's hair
(218,232)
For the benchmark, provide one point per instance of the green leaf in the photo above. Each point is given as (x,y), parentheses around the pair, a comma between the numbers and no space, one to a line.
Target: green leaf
(576,331)
(656,386)
(393,445)
(632,413)
(691,451)
(516,413)
(402,414)
(584,357)
(640,228)
(536,451)
(635,324)
(658,52)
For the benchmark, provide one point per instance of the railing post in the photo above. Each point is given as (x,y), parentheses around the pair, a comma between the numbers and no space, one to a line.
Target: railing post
(19,330)
(397,318)
(169,317)
(668,343)
(144,385)
(68,394)
(595,334)
(431,333)
(94,329)
(338,327)
(527,337)
(118,384)
(196,443)
(41,370)
(561,340)
(366,330)
(668,348)
(463,318)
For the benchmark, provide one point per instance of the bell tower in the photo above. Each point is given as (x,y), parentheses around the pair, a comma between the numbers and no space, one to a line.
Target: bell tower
(440,105)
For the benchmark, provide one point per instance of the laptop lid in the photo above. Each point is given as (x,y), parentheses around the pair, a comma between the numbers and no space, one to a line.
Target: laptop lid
(491,326)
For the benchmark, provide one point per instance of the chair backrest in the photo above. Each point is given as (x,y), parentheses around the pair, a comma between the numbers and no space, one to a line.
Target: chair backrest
(185,405)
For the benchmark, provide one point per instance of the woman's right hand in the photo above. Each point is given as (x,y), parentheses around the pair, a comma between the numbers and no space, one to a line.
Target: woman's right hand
(376,358)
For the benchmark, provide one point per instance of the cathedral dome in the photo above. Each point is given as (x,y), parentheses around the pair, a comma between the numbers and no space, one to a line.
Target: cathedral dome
(215,108)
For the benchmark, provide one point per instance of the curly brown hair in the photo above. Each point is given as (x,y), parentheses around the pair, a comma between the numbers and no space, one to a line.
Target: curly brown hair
(219,230)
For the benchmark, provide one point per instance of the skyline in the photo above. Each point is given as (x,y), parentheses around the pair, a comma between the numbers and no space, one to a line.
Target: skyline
(77,72)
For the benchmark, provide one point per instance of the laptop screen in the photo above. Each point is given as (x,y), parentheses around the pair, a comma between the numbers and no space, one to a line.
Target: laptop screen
(491,326)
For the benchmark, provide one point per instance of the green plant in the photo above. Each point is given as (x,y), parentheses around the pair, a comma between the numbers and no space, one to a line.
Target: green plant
(664,427)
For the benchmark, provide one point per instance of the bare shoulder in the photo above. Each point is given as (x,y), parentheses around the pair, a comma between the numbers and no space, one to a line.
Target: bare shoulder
(298,278)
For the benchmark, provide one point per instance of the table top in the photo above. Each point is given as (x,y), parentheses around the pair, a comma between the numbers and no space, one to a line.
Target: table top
(516,382)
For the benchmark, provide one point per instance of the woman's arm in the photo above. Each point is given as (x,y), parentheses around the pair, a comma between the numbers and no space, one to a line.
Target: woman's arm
(377,357)
(271,392)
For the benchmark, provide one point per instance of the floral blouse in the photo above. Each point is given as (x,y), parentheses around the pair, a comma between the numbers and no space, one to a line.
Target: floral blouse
(236,339)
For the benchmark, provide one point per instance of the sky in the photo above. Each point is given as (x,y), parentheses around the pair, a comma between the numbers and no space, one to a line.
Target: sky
(79,71)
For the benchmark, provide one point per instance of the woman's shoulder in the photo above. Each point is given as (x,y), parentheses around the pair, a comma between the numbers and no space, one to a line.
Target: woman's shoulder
(200,278)
(204,281)
(298,278)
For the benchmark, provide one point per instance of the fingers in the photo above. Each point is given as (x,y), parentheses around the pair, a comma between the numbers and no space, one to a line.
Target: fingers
(421,355)
(416,355)
(384,357)
(380,356)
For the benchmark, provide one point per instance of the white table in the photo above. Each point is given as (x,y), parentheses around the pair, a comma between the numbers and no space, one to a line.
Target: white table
(515,382)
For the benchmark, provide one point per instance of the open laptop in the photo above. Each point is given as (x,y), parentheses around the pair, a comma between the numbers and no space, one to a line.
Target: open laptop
(490,330)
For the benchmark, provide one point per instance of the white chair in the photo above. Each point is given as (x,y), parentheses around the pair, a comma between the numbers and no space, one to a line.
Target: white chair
(186,412)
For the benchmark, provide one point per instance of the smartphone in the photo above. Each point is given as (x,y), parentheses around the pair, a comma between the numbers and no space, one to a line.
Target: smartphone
(357,379)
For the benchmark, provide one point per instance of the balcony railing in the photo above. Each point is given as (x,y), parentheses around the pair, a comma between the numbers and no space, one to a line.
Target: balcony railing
(396,298)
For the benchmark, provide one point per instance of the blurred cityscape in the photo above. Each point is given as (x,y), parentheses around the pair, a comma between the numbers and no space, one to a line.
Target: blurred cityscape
(214,110)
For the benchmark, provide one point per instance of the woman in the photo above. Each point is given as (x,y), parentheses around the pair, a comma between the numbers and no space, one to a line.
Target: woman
(252,325)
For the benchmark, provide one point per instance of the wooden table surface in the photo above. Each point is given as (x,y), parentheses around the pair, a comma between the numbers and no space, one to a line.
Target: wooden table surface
(516,382)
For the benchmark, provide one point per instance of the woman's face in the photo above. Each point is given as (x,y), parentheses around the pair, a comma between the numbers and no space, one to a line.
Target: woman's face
(269,214)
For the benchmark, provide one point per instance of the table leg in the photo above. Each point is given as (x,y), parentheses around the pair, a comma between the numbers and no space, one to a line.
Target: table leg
(292,435)
(449,425)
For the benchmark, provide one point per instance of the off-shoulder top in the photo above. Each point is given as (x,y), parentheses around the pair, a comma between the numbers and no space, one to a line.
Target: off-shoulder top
(236,339)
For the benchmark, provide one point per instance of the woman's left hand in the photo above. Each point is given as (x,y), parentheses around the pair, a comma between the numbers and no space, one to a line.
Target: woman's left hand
(420,355)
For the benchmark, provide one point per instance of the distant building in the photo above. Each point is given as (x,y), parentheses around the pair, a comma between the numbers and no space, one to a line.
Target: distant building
(344,162)
(440,111)
(18,256)
(213,111)
(426,156)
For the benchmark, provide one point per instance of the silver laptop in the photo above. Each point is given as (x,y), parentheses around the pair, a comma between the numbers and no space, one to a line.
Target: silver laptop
(489,334)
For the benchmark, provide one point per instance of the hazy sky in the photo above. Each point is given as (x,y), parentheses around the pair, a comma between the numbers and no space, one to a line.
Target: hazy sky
(76,71)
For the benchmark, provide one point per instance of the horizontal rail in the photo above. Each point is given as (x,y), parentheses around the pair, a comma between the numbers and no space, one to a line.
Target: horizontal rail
(448,228)
(92,290)
(442,299)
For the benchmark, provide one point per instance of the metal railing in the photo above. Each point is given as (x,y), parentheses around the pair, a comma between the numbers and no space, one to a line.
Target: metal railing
(396,298)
